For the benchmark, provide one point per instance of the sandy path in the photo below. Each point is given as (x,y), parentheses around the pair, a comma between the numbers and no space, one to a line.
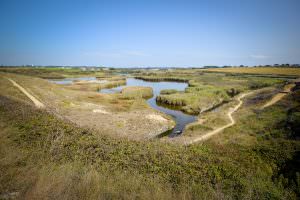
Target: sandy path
(36,102)
(218,130)
(287,89)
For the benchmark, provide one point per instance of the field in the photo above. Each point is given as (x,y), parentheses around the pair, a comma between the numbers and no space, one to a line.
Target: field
(87,145)
(137,92)
(259,70)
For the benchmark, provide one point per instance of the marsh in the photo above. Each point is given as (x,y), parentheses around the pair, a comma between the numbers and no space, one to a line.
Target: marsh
(179,117)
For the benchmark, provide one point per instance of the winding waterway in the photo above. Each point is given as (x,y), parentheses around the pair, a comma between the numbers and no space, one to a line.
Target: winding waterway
(179,117)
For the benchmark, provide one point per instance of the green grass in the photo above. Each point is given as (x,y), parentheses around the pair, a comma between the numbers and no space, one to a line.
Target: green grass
(56,159)
(196,99)
(43,156)
(206,90)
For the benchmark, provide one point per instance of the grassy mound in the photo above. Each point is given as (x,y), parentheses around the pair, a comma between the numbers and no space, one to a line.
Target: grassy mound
(86,86)
(112,84)
(195,99)
(132,92)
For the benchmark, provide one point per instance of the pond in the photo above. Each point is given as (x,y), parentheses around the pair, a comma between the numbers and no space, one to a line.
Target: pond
(179,117)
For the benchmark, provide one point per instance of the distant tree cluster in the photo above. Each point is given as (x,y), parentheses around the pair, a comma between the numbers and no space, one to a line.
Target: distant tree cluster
(275,65)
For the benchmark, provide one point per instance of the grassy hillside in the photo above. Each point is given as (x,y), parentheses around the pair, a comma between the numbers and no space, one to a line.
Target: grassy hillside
(45,157)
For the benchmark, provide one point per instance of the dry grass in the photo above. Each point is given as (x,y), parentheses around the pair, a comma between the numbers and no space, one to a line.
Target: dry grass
(75,181)
(258,70)
(42,157)
(132,92)
(11,91)
(84,87)
(112,84)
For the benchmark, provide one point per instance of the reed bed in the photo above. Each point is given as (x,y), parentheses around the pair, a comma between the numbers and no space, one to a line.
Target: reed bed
(133,92)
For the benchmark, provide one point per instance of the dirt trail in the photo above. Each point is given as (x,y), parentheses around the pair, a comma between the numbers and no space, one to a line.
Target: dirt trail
(287,89)
(36,102)
(218,130)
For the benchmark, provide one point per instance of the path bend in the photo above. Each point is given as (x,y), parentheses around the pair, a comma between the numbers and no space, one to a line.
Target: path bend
(218,130)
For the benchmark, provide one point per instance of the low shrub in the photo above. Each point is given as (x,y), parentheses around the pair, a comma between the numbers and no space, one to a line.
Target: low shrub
(112,84)
(132,92)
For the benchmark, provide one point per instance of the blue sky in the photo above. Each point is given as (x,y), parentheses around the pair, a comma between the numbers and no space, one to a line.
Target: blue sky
(154,33)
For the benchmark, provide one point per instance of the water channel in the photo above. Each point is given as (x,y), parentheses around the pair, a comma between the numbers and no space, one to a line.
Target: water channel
(179,117)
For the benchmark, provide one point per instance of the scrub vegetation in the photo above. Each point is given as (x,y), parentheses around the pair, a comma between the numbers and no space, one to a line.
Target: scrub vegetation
(43,155)
(137,92)
(59,160)
(112,84)
(209,90)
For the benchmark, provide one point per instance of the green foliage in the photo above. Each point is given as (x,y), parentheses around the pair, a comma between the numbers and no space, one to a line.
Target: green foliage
(200,127)
(195,99)
(293,122)
(205,91)
(168,91)
(44,156)
(210,170)
(258,83)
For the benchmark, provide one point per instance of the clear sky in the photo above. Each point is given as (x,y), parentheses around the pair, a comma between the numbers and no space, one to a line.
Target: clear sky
(154,33)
